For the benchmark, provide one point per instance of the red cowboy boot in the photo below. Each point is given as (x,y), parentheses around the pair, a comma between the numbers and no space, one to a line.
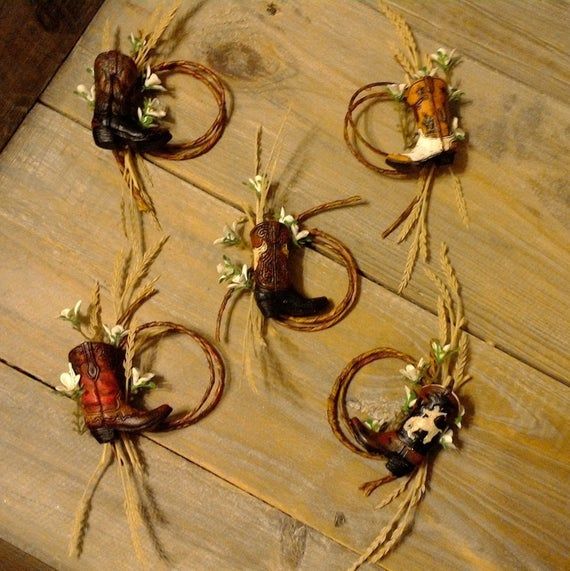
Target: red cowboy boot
(428,98)
(102,403)
(117,97)
(273,291)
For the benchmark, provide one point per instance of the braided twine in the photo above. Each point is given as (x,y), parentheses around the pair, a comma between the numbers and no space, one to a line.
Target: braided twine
(196,147)
(337,412)
(336,249)
(352,135)
(216,383)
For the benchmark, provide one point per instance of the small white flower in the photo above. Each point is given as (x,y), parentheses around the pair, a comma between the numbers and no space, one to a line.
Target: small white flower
(86,94)
(458,133)
(152,109)
(414,372)
(231,235)
(71,314)
(299,236)
(115,334)
(373,424)
(241,280)
(286,219)
(237,276)
(69,381)
(446,440)
(440,352)
(411,399)
(258,183)
(396,90)
(445,61)
(152,81)
(137,42)
(140,381)
(460,415)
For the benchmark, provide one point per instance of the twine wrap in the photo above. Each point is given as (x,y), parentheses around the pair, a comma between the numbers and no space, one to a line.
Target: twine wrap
(354,137)
(195,147)
(216,382)
(337,412)
(327,244)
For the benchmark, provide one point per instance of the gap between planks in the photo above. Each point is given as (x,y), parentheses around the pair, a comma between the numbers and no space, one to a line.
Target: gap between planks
(363,275)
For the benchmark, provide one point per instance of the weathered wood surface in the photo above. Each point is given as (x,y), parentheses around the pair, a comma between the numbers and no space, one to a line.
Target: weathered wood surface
(44,473)
(514,175)
(499,503)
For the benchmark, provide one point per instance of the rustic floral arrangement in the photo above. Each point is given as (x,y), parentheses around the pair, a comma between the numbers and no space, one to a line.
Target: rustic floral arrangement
(430,414)
(128,116)
(104,381)
(272,231)
(428,108)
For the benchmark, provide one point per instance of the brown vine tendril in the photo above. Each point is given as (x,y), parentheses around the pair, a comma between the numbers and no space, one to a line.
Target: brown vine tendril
(195,147)
(216,383)
(327,244)
(354,137)
(337,412)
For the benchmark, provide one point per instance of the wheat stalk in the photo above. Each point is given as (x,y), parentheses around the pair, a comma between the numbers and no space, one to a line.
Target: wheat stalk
(94,314)
(141,270)
(460,198)
(405,34)
(156,35)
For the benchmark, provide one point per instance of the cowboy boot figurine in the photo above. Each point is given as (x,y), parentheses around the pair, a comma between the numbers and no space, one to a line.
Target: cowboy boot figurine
(102,400)
(435,410)
(429,100)
(117,97)
(273,290)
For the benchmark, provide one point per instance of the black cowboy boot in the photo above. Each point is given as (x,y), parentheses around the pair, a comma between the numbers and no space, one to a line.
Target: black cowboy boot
(273,291)
(117,96)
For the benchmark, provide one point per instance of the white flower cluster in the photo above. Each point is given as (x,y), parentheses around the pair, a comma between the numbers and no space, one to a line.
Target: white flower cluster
(141,381)
(115,334)
(72,315)
(258,183)
(444,60)
(69,383)
(231,235)
(237,277)
(300,237)
(152,109)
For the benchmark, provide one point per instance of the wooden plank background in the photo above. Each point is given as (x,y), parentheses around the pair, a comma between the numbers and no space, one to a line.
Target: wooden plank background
(262,483)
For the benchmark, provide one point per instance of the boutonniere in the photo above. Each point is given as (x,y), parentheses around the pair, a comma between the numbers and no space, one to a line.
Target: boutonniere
(429,417)
(263,239)
(427,102)
(107,381)
(129,113)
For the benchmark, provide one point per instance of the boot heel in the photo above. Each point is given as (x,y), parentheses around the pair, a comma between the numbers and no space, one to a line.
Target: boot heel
(103,434)
(445,158)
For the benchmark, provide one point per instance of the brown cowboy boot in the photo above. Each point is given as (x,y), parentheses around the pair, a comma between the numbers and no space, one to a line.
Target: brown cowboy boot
(273,291)
(102,403)
(435,411)
(117,96)
(428,97)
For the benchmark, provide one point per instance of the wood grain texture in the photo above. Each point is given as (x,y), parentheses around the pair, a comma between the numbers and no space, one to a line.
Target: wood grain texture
(208,523)
(498,502)
(36,37)
(514,257)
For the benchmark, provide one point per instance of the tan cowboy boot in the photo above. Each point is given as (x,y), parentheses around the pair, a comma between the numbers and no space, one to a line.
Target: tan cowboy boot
(273,291)
(102,403)
(428,97)
(117,97)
